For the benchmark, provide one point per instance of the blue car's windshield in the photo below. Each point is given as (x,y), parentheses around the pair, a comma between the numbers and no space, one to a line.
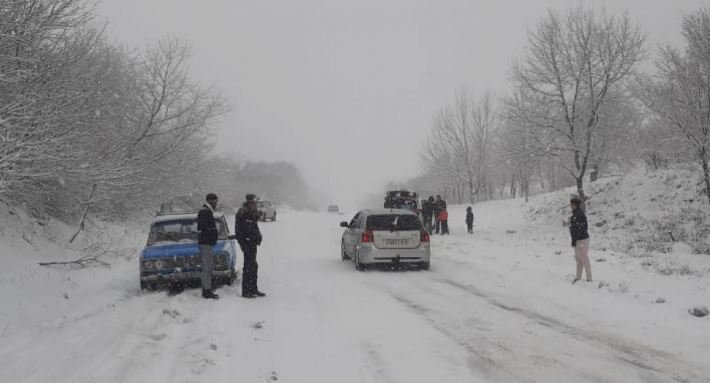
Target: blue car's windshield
(182,230)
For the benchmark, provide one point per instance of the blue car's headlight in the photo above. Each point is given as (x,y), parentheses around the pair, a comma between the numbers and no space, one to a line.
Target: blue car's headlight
(158,264)
(222,260)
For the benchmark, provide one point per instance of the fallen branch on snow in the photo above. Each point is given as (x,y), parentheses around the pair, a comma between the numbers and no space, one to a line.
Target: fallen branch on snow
(83,261)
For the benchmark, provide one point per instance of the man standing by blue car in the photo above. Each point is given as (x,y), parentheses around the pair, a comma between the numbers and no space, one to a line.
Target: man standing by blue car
(206,239)
(246,229)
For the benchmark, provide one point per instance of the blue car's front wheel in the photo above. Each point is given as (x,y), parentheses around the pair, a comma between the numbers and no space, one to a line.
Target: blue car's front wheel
(148,286)
(232,277)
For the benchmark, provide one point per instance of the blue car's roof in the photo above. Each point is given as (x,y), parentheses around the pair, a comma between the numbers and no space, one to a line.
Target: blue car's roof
(177,217)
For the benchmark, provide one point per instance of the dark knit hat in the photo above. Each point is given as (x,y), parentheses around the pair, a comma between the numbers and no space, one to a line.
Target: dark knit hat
(211,197)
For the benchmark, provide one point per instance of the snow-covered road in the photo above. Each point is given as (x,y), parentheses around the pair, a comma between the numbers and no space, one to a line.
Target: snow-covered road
(496,307)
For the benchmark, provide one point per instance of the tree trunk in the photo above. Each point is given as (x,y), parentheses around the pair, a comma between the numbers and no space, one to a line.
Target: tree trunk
(706,174)
(87,204)
(580,192)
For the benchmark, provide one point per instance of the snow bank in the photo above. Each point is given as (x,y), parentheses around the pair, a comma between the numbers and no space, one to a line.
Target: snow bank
(659,218)
(41,297)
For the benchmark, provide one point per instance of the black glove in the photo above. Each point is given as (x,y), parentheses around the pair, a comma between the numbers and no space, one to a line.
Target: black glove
(574,243)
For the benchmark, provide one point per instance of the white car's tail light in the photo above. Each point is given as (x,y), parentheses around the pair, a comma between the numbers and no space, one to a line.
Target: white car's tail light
(424,236)
(368,236)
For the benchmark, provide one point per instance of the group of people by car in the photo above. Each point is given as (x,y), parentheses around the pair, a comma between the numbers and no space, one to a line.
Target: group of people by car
(435,216)
(247,234)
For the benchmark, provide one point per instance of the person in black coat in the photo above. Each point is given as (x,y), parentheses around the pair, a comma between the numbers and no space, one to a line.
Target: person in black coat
(469,219)
(580,239)
(427,213)
(246,228)
(439,206)
(206,238)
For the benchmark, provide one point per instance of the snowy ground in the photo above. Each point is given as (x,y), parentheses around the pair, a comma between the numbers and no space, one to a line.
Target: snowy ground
(497,306)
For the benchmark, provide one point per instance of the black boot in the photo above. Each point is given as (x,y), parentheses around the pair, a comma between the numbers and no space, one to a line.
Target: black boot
(259,294)
(208,294)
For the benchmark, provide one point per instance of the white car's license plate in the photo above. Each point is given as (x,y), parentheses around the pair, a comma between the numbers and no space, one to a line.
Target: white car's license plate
(397,242)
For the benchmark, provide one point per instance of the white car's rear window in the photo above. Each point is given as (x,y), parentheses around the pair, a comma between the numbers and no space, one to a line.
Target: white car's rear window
(393,222)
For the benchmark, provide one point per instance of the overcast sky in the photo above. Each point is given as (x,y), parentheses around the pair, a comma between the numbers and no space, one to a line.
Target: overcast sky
(346,90)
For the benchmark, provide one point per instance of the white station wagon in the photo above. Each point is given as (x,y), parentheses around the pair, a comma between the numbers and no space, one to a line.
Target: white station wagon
(385,237)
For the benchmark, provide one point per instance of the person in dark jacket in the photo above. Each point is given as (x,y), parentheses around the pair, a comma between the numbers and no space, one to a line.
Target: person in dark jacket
(580,239)
(439,205)
(246,228)
(427,213)
(206,239)
(469,219)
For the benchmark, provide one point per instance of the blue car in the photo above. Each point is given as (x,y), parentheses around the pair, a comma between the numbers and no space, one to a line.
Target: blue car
(172,256)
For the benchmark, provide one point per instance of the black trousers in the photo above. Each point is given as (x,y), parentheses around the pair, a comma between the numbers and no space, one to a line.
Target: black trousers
(444,227)
(470,227)
(250,269)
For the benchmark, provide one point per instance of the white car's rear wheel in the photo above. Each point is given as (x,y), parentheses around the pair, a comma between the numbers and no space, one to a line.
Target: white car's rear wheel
(358,266)
(343,255)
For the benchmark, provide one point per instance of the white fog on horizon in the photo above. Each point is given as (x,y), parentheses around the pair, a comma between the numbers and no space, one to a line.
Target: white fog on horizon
(346,90)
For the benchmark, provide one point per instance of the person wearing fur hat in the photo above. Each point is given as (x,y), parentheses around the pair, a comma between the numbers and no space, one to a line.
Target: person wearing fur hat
(246,229)
(206,239)
(580,239)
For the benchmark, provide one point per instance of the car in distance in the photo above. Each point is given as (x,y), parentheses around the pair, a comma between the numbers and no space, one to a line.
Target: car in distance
(172,256)
(333,209)
(267,211)
(385,237)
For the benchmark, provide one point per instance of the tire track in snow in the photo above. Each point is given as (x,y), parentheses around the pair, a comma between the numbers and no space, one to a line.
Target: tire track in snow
(479,361)
(635,355)
(497,352)
(377,365)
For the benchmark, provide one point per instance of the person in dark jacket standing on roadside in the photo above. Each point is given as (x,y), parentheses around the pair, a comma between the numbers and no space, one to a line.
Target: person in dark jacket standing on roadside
(427,213)
(207,238)
(580,239)
(246,228)
(469,219)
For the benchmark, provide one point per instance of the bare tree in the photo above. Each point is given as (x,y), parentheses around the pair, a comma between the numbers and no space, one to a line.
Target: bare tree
(517,159)
(574,66)
(35,44)
(158,133)
(460,145)
(86,126)
(679,93)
